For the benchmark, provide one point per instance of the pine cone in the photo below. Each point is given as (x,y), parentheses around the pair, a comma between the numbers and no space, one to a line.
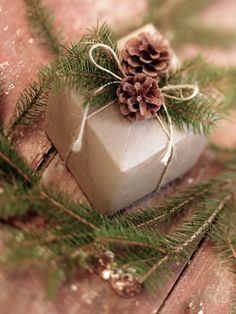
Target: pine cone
(139,97)
(146,54)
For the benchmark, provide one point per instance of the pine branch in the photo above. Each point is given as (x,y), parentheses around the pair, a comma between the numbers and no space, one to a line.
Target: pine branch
(76,227)
(196,116)
(76,71)
(201,226)
(183,24)
(54,202)
(19,176)
(11,163)
(33,100)
(177,205)
(31,104)
(41,21)
(16,200)
(201,113)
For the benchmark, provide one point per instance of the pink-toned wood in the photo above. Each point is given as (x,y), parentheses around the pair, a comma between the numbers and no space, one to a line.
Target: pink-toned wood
(224,137)
(87,293)
(21,55)
(20,58)
(221,15)
(57,172)
(75,16)
(203,288)
(22,291)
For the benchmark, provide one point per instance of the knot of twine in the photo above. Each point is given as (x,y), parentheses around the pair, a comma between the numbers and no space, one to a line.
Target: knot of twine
(166,159)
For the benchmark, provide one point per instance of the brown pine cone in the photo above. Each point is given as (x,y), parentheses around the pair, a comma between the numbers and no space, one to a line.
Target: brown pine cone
(146,54)
(139,97)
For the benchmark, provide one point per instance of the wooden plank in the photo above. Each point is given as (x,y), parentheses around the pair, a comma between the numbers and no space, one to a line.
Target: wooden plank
(20,58)
(87,293)
(90,289)
(203,288)
(21,55)
(205,285)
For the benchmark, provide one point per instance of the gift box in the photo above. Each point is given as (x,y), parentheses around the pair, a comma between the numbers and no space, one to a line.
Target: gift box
(119,161)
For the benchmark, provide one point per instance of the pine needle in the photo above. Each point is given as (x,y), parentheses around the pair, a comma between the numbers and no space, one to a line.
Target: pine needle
(41,21)
(30,105)
(72,227)
(12,163)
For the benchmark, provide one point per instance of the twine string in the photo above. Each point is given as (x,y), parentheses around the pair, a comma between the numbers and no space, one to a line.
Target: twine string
(166,159)
(77,145)
(108,48)
(191,87)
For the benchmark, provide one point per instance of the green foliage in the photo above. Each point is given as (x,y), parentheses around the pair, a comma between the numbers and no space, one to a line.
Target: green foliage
(16,200)
(175,206)
(180,18)
(31,104)
(12,165)
(41,21)
(152,253)
(201,113)
(74,70)
(33,99)
(72,233)
(16,180)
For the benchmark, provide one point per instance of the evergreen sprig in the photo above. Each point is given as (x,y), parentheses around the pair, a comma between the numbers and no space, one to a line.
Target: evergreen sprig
(73,233)
(41,22)
(33,99)
(216,96)
(75,71)
(31,104)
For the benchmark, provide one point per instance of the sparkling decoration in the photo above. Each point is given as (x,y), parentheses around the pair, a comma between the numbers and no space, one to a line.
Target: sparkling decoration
(124,284)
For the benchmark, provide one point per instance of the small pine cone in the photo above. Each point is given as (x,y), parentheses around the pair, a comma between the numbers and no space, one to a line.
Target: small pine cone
(139,97)
(146,54)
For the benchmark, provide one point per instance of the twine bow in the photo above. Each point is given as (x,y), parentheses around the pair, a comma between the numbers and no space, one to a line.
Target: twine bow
(166,159)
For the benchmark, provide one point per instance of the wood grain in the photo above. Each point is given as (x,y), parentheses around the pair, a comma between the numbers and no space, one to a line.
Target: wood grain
(21,55)
(204,286)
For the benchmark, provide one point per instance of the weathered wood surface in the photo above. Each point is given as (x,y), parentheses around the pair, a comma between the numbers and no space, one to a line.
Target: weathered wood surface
(197,289)
(203,288)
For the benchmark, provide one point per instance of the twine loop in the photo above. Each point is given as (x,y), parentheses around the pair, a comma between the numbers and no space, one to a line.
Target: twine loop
(193,88)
